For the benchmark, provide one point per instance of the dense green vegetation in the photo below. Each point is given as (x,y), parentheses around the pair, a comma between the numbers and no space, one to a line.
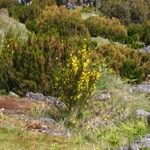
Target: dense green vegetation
(59,58)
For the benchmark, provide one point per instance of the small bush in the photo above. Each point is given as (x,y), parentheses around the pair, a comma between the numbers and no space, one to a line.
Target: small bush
(135,30)
(49,66)
(127,11)
(125,61)
(132,71)
(7,3)
(43,3)
(105,27)
(24,13)
(146,35)
(60,21)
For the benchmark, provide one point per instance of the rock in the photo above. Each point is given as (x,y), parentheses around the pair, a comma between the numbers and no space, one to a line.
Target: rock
(101,96)
(4,12)
(47,120)
(139,144)
(48,99)
(9,25)
(123,148)
(146,49)
(34,124)
(85,16)
(145,88)
(148,120)
(142,113)
(55,101)
(133,147)
(64,133)
(145,142)
(12,94)
(36,96)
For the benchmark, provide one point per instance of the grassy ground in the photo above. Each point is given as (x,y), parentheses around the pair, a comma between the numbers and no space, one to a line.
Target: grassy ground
(103,125)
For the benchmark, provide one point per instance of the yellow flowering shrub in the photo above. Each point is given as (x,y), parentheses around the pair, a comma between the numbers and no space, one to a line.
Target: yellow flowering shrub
(78,78)
(50,66)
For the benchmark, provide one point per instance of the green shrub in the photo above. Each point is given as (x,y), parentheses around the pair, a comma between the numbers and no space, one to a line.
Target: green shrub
(135,34)
(128,11)
(146,35)
(7,3)
(127,62)
(43,3)
(132,71)
(50,66)
(135,30)
(105,27)
(60,21)
(24,13)
(117,9)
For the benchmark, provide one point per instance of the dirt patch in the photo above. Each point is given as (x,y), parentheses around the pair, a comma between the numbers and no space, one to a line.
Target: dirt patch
(15,105)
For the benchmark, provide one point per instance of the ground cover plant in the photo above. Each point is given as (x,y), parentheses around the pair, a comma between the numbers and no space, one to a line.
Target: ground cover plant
(74,92)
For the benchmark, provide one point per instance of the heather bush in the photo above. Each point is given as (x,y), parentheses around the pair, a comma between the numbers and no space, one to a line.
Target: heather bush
(7,3)
(128,11)
(126,62)
(50,66)
(132,71)
(146,34)
(24,13)
(60,21)
(105,27)
(43,3)
(135,31)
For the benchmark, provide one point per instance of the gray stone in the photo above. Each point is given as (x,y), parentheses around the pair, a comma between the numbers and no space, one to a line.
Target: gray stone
(4,12)
(48,99)
(47,120)
(123,148)
(142,113)
(9,25)
(12,94)
(101,95)
(145,142)
(133,147)
(36,96)
(145,88)
(147,49)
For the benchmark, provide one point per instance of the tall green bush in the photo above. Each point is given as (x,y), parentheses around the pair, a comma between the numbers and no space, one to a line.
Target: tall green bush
(24,13)
(7,3)
(62,22)
(128,11)
(146,34)
(50,66)
(126,62)
(105,27)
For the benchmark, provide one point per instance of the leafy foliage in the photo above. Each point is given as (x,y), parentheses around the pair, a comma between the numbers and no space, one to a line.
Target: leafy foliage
(120,58)
(127,11)
(105,27)
(146,35)
(24,13)
(7,3)
(49,66)
(60,21)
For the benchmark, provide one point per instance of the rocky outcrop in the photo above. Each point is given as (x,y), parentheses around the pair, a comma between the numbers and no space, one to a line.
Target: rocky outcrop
(147,49)
(144,88)
(12,94)
(9,25)
(143,143)
(101,95)
(48,99)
